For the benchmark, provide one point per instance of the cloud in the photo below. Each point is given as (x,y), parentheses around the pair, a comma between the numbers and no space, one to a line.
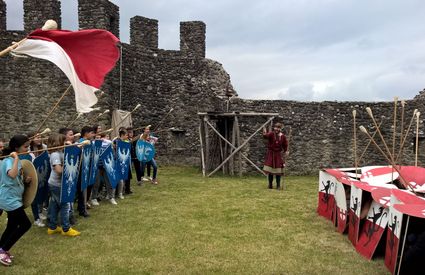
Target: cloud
(296,49)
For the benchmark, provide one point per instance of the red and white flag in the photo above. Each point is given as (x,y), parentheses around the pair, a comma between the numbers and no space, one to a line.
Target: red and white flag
(84,56)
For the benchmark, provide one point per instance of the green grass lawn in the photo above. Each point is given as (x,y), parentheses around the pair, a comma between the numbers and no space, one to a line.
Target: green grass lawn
(189,224)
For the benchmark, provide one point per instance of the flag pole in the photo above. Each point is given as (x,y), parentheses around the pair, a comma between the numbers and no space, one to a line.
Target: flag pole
(54,107)
(11,48)
(84,143)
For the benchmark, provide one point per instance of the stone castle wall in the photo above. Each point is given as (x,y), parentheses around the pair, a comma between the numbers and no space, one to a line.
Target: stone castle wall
(184,81)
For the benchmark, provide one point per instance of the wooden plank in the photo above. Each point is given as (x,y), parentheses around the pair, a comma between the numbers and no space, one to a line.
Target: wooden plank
(218,133)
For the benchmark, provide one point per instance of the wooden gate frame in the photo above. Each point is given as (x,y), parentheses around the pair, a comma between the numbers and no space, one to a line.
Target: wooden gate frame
(204,139)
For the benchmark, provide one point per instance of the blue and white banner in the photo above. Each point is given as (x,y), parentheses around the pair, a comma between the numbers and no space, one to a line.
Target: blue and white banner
(123,159)
(144,151)
(70,173)
(85,166)
(97,151)
(42,166)
(110,166)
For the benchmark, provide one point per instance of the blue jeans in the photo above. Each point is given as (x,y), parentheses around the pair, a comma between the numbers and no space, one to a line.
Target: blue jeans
(56,208)
(154,166)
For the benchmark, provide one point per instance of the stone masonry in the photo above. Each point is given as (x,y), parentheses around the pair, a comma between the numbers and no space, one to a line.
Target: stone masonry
(188,82)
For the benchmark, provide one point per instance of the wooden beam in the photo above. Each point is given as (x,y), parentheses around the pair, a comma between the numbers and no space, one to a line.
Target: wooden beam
(238,142)
(225,140)
(202,148)
(240,147)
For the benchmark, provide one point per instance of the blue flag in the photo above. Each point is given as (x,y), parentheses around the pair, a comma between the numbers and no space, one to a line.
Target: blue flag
(85,166)
(144,151)
(97,151)
(42,166)
(70,173)
(26,156)
(123,159)
(110,166)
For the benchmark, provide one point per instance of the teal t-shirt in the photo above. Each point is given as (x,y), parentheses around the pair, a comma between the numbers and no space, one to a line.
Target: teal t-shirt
(11,190)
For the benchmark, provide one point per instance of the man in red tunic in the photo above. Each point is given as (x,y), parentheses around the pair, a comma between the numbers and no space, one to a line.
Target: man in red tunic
(276,145)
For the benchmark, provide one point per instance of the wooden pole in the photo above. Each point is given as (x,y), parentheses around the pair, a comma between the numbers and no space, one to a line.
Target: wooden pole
(238,142)
(399,156)
(202,148)
(368,144)
(54,107)
(231,145)
(91,121)
(286,159)
(355,140)
(240,147)
(369,111)
(72,122)
(417,138)
(162,120)
(404,243)
(207,145)
(86,142)
(232,161)
(403,103)
(11,48)
(220,142)
(394,124)
(391,161)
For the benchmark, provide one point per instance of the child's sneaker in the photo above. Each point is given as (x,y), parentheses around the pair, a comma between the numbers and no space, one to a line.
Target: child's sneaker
(39,223)
(113,201)
(94,202)
(120,196)
(71,232)
(58,229)
(42,216)
(155,181)
(5,258)
(145,179)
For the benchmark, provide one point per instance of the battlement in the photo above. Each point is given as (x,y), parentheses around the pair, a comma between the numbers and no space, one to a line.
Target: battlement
(102,14)
(2,15)
(144,32)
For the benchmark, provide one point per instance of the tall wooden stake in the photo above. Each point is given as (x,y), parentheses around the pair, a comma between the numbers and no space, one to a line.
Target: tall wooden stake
(417,138)
(355,140)
(395,123)
(54,107)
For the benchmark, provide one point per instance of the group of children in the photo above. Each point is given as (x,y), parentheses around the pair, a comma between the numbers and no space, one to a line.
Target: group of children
(60,215)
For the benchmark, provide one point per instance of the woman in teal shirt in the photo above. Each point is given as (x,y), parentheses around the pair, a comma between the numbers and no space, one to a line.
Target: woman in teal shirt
(11,190)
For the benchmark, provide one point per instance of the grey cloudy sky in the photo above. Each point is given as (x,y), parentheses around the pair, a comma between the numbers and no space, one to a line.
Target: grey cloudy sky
(309,50)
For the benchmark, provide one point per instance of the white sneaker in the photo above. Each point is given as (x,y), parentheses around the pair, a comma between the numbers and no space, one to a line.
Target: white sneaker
(120,196)
(150,178)
(94,202)
(112,201)
(39,223)
(42,216)
(145,179)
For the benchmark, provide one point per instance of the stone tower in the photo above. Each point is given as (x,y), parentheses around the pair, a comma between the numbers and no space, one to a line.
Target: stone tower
(144,32)
(99,14)
(36,13)
(192,39)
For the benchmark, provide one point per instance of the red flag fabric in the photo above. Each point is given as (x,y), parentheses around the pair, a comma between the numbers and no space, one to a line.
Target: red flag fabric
(84,56)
